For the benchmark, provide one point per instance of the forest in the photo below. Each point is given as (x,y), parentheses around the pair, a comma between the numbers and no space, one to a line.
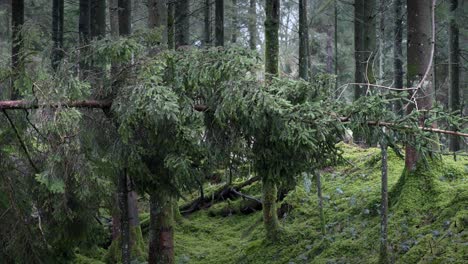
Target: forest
(233,131)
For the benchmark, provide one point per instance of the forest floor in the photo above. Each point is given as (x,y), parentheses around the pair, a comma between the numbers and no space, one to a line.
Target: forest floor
(428,218)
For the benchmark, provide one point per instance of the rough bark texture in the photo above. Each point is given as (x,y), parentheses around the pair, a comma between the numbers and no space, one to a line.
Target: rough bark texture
(98,18)
(270,216)
(219,22)
(170,26)
(381,40)
(303,41)
(114,17)
(454,70)
(182,23)
(207,23)
(161,244)
(419,59)
(235,26)
(157,13)
(17,21)
(336,47)
(84,21)
(272,9)
(252,24)
(57,33)
(384,207)
(125,18)
(398,51)
(124,220)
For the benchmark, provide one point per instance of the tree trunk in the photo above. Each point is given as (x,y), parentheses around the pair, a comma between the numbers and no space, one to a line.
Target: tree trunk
(219,22)
(252,24)
(157,13)
(454,72)
(329,51)
(98,18)
(84,22)
(161,244)
(17,21)
(384,206)
(419,58)
(207,23)
(125,17)
(124,217)
(303,41)
(114,17)
(182,23)
(234,22)
(381,41)
(170,25)
(57,33)
(272,9)
(336,48)
(270,216)
(398,51)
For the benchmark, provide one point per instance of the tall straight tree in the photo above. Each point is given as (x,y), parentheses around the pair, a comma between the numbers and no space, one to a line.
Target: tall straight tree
(419,61)
(336,44)
(234,22)
(84,25)
(454,68)
(252,24)
(57,33)
(364,44)
(170,25)
(182,23)
(269,189)
(303,41)
(98,18)
(156,13)
(17,21)
(219,22)
(207,23)
(398,50)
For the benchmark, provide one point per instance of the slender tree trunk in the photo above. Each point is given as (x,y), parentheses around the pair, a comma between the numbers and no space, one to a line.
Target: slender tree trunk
(161,242)
(320,201)
(170,25)
(329,51)
(272,11)
(84,31)
(234,22)
(182,23)
(398,51)
(303,41)
(114,17)
(57,33)
(419,57)
(219,22)
(336,47)
(124,217)
(358,46)
(381,41)
(98,18)
(384,206)
(369,39)
(157,13)
(125,17)
(17,21)
(454,72)
(252,24)
(207,23)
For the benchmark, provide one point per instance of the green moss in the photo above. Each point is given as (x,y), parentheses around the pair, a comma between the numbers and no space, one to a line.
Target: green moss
(81,259)
(138,249)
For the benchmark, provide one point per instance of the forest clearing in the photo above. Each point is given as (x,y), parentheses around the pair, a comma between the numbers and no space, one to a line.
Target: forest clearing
(233,131)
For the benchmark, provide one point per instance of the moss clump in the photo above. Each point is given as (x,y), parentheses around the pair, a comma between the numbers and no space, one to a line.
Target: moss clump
(138,249)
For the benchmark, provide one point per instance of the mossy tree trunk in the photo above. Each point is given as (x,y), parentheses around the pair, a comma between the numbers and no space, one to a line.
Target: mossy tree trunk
(270,216)
(124,223)
(398,51)
(454,69)
(235,26)
(17,21)
(161,244)
(252,24)
(419,58)
(57,33)
(384,206)
(207,23)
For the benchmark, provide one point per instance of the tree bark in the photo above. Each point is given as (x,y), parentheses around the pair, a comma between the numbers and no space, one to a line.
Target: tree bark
(272,9)
(161,244)
(398,51)
(207,23)
(124,217)
(17,21)
(57,33)
(234,22)
(125,17)
(384,206)
(182,23)
(454,70)
(170,25)
(252,24)
(381,41)
(84,22)
(270,216)
(419,57)
(219,22)
(303,41)
(336,47)
(114,17)
(98,18)
(157,13)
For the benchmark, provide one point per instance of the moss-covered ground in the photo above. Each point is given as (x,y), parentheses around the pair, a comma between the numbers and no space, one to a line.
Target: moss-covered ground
(428,218)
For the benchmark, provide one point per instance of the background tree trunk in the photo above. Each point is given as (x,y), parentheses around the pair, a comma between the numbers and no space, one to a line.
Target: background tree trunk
(454,72)
(207,23)
(384,206)
(419,60)
(182,23)
(234,22)
(98,18)
(57,33)
(336,47)
(124,219)
(303,41)
(219,22)
(161,242)
(170,25)
(398,51)
(252,24)
(17,21)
